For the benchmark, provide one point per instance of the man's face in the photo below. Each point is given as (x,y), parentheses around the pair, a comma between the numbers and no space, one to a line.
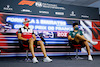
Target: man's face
(75,26)
(26,24)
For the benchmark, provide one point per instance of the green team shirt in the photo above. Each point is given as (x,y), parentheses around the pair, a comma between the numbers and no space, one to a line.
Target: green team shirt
(73,34)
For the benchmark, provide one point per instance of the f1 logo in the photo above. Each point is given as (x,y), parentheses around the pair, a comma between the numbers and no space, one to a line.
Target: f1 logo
(30,3)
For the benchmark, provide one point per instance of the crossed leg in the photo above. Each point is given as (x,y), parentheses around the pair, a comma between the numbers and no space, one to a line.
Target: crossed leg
(79,38)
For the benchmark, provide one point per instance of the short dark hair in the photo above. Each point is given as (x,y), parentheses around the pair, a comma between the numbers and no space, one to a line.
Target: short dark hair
(75,24)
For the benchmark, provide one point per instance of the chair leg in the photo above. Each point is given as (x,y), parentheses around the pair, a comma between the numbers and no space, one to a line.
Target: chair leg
(0,51)
(27,54)
(77,57)
(76,54)
(27,59)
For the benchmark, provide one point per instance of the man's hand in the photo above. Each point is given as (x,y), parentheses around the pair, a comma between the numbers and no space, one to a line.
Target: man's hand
(72,38)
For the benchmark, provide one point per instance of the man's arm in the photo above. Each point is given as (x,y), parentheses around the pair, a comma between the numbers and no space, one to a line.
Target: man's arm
(82,35)
(21,38)
(34,36)
(70,38)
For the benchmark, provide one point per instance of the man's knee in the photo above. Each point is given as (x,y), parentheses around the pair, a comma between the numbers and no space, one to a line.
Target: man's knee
(31,42)
(85,42)
(77,35)
(40,42)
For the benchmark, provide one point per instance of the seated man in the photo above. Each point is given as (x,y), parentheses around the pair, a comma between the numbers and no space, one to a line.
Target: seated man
(27,35)
(77,37)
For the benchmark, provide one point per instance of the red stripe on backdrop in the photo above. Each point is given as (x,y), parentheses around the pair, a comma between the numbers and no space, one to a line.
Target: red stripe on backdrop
(1,44)
(95,29)
(2,17)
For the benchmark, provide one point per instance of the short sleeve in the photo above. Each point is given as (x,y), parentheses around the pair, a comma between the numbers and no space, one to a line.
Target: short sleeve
(70,33)
(19,31)
(81,33)
(32,32)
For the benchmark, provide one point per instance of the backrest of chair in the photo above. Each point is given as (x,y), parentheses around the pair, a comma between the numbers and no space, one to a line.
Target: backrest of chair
(78,46)
(67,34)
(17,33)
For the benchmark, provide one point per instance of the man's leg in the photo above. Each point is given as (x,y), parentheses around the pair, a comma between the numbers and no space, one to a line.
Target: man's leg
(79,38)
(31,48)
(87,47)
(46,58)
(42,48)
(83,39)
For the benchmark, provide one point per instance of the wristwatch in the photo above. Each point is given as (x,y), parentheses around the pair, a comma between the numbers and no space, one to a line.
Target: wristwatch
(27,39)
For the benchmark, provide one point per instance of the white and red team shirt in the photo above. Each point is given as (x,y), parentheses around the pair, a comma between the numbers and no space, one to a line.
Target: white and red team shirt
(26,33)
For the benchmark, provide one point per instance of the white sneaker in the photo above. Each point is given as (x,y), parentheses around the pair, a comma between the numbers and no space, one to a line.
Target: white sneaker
(90,58)
(35,60)
(47,59)
(93,43)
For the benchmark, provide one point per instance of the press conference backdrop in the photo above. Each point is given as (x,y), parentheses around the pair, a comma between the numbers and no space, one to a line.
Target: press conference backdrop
(54,31)
(48,19)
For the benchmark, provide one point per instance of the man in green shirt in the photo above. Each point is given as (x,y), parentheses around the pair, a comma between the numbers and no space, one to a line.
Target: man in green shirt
(77,37)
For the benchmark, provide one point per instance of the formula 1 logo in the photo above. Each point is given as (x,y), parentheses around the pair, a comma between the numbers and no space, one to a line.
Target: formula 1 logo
(30,3)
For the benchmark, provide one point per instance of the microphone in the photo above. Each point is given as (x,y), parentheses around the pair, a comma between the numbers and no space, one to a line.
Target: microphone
(42,38)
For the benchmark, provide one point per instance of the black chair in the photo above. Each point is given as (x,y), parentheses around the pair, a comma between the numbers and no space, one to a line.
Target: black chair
(76,47)
(24,47)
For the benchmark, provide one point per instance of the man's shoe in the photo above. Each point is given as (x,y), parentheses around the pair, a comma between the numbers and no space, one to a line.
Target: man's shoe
(47,59)
(90,58)
(35,60)
(93,43)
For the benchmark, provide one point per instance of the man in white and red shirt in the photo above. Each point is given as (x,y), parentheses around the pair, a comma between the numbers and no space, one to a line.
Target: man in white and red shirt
(27,35)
